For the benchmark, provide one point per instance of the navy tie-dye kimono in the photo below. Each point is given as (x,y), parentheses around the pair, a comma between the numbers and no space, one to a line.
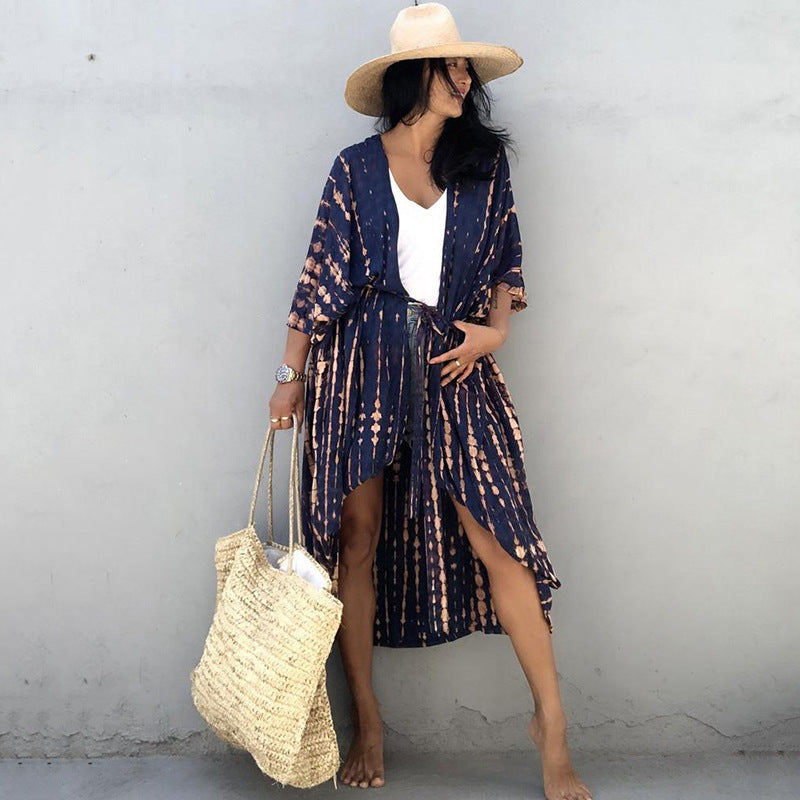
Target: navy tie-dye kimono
(430,586)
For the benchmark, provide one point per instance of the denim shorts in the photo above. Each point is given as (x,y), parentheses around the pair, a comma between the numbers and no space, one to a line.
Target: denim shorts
(414,372)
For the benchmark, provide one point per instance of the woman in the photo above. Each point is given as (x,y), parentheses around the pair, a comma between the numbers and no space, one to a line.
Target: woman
(415,496)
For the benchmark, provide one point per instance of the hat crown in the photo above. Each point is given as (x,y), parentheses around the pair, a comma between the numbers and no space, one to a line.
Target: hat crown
(425,25)
(427,30)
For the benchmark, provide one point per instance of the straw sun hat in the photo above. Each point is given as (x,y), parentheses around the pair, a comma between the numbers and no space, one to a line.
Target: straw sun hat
(427,30)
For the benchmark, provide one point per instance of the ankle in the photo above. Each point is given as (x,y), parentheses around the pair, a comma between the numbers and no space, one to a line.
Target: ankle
(551,718)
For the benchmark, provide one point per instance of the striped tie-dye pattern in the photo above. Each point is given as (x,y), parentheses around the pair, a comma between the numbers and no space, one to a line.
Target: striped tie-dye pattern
(430,586)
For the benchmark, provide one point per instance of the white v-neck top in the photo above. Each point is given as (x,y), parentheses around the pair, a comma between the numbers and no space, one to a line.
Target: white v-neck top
(420,240)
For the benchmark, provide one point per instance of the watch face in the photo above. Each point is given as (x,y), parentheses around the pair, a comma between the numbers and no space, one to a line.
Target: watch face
(283,373)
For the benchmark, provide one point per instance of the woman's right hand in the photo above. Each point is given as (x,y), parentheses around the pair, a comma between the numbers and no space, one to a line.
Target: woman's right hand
(287,398)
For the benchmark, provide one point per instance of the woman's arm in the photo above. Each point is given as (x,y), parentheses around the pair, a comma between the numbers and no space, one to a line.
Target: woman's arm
(295,353)
(479,339)
(500,309)
(289,398)
(322,288)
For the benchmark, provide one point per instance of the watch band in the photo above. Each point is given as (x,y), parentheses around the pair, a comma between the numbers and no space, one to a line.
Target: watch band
(285,373)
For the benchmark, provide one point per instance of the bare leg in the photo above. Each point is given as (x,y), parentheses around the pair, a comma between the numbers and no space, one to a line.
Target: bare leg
(516,601)
(361,516)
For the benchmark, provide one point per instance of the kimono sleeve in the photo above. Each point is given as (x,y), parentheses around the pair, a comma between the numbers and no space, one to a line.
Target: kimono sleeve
(323,289)
(507,271)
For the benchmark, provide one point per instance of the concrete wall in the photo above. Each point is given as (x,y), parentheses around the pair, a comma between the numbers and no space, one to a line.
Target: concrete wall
(156,202)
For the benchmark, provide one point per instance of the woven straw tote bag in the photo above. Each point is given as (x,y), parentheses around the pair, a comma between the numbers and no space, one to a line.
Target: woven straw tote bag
(260,683)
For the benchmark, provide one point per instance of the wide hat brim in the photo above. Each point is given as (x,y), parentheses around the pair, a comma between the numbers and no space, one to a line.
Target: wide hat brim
(363,90)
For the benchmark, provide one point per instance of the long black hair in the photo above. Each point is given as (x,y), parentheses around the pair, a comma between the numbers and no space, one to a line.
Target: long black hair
(466,141)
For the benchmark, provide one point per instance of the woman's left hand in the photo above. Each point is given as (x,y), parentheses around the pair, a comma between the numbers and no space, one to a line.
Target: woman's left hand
(478,341)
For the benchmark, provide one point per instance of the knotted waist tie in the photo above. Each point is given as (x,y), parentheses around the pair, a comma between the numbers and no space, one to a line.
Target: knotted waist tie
(429,320)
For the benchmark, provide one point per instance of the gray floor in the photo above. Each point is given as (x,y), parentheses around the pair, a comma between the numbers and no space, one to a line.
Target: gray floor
(467,777)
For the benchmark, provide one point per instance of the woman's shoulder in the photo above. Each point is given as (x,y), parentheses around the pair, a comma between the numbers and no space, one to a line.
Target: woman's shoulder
(361,148)
(363,153)
(359,163)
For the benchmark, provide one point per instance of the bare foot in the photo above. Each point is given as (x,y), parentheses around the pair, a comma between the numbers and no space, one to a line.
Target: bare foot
(560,780)
(364,763)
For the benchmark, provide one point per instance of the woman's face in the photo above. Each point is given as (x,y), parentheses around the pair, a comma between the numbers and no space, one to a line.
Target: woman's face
(443,100)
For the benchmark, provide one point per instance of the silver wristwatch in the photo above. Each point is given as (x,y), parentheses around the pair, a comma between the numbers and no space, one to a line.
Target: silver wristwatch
(285,373)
